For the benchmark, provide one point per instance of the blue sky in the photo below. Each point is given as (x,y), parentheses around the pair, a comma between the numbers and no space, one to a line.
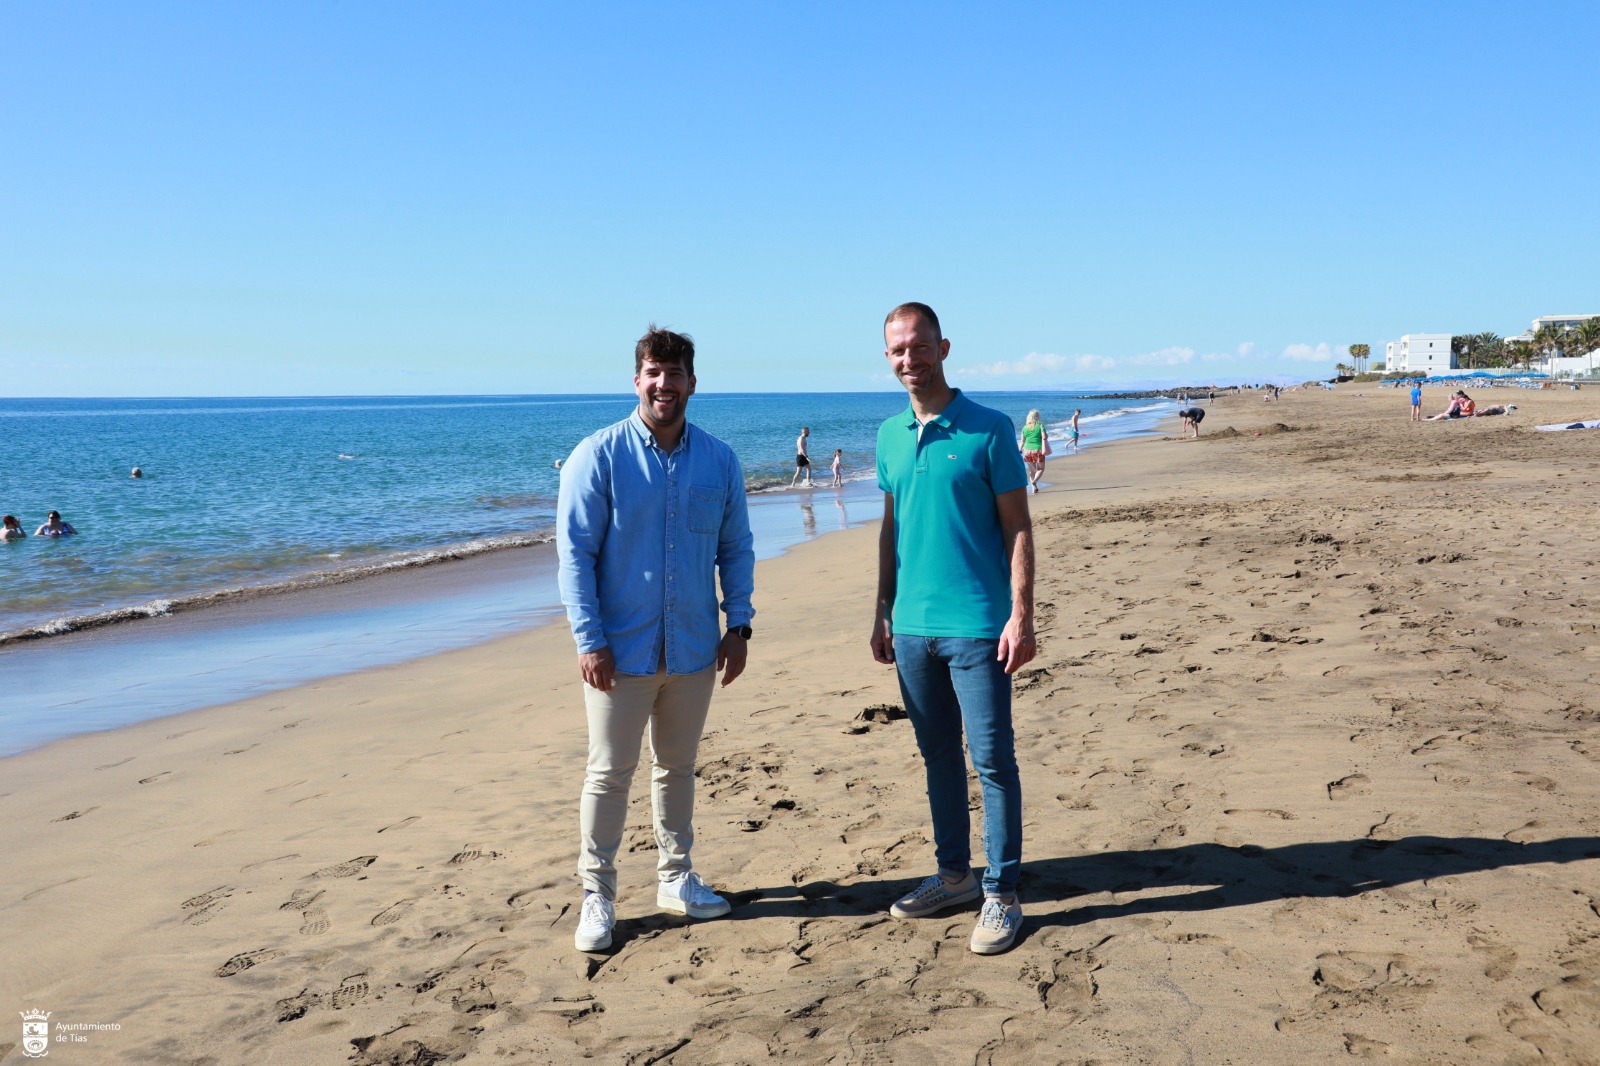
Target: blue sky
(382,198)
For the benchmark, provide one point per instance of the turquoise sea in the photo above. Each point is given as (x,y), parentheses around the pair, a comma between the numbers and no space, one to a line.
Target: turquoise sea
(329,513)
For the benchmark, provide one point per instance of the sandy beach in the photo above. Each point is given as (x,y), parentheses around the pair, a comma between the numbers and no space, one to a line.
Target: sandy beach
(1309,761)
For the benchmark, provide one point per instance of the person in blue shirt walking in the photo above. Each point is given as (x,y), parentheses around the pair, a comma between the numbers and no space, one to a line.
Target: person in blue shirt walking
(955,616)
(651,511)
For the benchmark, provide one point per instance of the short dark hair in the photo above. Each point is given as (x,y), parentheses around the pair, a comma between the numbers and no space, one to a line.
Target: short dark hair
(914,308)
(664,346)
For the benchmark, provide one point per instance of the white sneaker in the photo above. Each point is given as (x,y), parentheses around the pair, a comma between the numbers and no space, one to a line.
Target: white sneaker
(594,923)
(935,894)
(997,926)
(690,896)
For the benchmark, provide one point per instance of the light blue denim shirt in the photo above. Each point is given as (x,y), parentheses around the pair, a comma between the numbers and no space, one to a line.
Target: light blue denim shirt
(642,535)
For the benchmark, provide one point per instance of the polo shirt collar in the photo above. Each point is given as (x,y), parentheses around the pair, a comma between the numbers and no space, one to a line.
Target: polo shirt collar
(943,418)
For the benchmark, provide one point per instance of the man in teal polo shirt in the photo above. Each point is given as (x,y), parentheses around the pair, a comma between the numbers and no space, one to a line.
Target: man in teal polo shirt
(955,616)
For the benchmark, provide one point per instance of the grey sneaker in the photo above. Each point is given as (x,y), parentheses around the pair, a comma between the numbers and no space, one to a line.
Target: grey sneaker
(594,923)
(935,895)
(690,896)
(997,926)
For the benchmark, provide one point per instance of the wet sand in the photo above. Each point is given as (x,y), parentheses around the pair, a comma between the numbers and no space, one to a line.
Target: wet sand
(1309,764)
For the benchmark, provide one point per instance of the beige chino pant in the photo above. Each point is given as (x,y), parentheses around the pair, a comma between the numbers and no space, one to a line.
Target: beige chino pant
(672,709)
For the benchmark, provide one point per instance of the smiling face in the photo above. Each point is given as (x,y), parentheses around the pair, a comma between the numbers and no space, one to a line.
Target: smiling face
(916,353)
(664,390)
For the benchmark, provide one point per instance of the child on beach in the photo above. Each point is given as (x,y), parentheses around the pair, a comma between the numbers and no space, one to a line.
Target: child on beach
(838,466)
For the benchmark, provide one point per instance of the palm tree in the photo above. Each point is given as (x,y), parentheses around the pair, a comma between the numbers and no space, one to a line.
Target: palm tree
(1586,338)
(1488,349)
(1359,353)
(1521,353)
(1551,340)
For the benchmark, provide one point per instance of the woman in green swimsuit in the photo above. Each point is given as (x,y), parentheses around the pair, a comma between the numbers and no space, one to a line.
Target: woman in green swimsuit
(1033,448)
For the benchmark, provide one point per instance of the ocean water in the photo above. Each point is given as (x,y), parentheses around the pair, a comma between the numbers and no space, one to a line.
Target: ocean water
(243,496)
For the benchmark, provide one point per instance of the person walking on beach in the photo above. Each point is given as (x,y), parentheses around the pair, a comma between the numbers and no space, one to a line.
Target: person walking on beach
(1076,414)
(650,515)
(1033,445)
(838,467)
(1416,400)
(802,458)
(955,616)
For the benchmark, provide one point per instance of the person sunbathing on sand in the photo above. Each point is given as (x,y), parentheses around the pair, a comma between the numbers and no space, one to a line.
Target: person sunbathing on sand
(1461,406)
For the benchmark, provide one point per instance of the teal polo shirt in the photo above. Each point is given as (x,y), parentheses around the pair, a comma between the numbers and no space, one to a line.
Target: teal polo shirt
(952,574)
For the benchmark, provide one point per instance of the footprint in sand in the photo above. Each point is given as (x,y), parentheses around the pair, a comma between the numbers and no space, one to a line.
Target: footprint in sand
(351,990)
(394,912)
(302,899)
(1528,833)
(240,751)
(314,923)
(46,888)
(400,824)
(1265,812)
(348,868)
(244,960)
(111,765)
(1353,785)
(472,853)
(204,907)
(153,778)
(1498,959)
(74,814)
(1364,1047)
(266,862)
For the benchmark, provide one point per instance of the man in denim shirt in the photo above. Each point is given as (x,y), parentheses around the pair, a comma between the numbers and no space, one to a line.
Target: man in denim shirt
(955,616)
(651,512)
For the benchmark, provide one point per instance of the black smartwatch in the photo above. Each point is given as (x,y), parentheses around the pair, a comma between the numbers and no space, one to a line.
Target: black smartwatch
(743,631)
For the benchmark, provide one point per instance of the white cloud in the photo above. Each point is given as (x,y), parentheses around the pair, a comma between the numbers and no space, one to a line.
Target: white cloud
(1164,357)
(1322,353)
(1039,363)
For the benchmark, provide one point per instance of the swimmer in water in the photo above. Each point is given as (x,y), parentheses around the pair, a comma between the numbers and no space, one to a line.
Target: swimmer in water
(55,527)
(11,529)
(137,473)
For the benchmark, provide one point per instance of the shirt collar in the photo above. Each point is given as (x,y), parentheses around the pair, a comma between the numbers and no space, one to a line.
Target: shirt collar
(943,418)
(648,439)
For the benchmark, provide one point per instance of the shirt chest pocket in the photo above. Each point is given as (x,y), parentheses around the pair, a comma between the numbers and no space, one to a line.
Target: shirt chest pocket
(705,509)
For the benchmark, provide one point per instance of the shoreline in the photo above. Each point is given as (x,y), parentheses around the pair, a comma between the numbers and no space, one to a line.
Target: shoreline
(151,664)
(1308,766)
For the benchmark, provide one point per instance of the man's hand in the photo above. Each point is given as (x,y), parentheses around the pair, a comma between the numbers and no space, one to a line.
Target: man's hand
(731,653)
(598,668)
(883,639)
(1017,644)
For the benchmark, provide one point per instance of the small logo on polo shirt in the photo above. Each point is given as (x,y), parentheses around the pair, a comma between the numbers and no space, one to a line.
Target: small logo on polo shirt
(952,455)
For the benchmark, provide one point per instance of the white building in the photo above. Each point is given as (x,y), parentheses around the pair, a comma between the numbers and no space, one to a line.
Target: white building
(1428,352)
(1564,321)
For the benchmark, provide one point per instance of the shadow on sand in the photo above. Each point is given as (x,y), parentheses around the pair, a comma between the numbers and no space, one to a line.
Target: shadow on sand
(1214,875)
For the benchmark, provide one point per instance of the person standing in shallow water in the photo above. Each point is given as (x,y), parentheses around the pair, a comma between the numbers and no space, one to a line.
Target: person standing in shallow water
(802,458)
(651,515)
(11,529)
(955,617)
